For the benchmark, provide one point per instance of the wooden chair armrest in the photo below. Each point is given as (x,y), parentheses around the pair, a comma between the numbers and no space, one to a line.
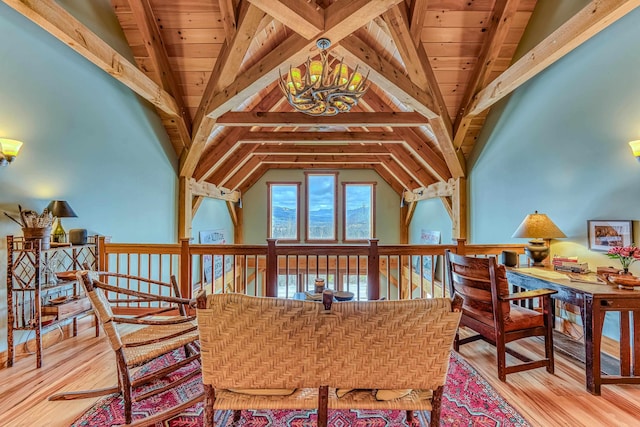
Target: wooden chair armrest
(528,294)
(138,321)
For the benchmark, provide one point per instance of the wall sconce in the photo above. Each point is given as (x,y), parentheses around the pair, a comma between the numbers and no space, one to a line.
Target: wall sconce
(8,150)
(635,147)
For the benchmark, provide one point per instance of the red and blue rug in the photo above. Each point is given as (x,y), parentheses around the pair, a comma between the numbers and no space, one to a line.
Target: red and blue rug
(468,400)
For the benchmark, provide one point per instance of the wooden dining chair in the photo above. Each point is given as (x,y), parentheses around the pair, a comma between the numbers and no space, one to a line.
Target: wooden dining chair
(488,310)
(144,337)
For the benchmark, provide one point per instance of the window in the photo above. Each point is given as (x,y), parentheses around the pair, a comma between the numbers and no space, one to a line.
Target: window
(284,210)
(321,207)
(359,208)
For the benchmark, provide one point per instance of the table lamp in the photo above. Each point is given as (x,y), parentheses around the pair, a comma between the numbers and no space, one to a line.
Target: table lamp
(540,228)
(60,209)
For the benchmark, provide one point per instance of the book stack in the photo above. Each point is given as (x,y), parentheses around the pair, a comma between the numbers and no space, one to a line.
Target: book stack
(569,264)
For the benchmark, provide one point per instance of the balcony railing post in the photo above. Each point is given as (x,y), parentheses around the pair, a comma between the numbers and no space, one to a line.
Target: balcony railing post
(102,261)
(373,271)
(272,269)
(461,249)
(185,269)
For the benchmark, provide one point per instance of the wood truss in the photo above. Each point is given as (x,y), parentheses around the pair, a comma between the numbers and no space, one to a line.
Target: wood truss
(435,66)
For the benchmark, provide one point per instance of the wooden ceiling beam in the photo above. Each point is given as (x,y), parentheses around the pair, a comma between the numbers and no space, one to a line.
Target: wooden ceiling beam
(304,150)
(400,154)
(327,159)
(417,64)
(245,172)
(389,178)
(207,189)
(432,161)
(225,70)
(240,155)
(146,22)
(217,153)
(341,19)
(387,76)
(593,18)
(321,137)
(224,146)
(399,173)
(303,17)
(228,13)
(501,20)
(51,17)
(418,13)
(251,180)
(353,119)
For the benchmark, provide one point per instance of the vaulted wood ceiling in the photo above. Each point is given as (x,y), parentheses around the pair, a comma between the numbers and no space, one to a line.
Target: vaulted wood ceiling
(211,69)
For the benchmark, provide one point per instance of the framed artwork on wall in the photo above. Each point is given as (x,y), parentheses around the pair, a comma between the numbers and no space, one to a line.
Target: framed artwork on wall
(605,234)
(427,237)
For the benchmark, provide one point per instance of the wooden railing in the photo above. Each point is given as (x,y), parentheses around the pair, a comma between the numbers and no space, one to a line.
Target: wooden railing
(370,271)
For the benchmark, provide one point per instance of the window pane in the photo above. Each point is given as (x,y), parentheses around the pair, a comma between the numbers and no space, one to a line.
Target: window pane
(322,207)
(358,209)
(284,211)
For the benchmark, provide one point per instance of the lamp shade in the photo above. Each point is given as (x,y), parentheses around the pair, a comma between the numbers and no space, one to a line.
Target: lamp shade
(61,209)
(635,147)
(538,226)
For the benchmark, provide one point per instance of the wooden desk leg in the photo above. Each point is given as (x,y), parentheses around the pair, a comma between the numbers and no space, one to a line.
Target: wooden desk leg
(587,324)
(625,345)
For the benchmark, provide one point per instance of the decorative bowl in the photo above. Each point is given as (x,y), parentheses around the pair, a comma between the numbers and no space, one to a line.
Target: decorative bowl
(624,281)
(343,296)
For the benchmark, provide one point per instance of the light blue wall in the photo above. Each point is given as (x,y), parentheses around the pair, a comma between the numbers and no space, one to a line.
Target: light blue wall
(213,214)
(559,143)
(431,215)
(87,138)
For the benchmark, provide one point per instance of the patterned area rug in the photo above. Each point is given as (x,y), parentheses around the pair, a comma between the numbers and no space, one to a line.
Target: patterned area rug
(468,400)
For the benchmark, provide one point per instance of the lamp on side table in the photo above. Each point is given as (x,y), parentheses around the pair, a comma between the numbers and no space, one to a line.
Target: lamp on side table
(539,228)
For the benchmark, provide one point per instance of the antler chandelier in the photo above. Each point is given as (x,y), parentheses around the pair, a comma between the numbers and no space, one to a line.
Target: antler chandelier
(322,91)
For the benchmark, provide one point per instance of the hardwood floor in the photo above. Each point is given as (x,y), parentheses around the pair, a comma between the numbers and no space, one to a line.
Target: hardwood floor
(86,362)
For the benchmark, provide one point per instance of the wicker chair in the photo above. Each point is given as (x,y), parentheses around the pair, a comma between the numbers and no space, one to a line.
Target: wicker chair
(488,310)
(266,343)
(150,338)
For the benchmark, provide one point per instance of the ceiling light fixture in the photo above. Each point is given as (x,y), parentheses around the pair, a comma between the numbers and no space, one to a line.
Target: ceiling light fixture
(320,91)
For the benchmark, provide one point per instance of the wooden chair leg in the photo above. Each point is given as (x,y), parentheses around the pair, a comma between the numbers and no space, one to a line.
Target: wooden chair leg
(410,418)
(237,414)
(501,354)
(456,342)
(436,403)
(209,399)
(323,403)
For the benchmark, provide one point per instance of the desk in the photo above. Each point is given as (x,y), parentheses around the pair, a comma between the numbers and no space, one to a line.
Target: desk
(594,301)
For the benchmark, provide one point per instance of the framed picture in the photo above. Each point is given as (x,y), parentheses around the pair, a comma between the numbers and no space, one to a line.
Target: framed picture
(427,237)
(209,263)
(605,234)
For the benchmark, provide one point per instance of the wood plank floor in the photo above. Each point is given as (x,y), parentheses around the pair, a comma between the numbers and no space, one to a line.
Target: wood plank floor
(86,362)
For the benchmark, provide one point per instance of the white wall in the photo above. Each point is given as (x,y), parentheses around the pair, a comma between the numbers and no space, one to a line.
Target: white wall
(87,138)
